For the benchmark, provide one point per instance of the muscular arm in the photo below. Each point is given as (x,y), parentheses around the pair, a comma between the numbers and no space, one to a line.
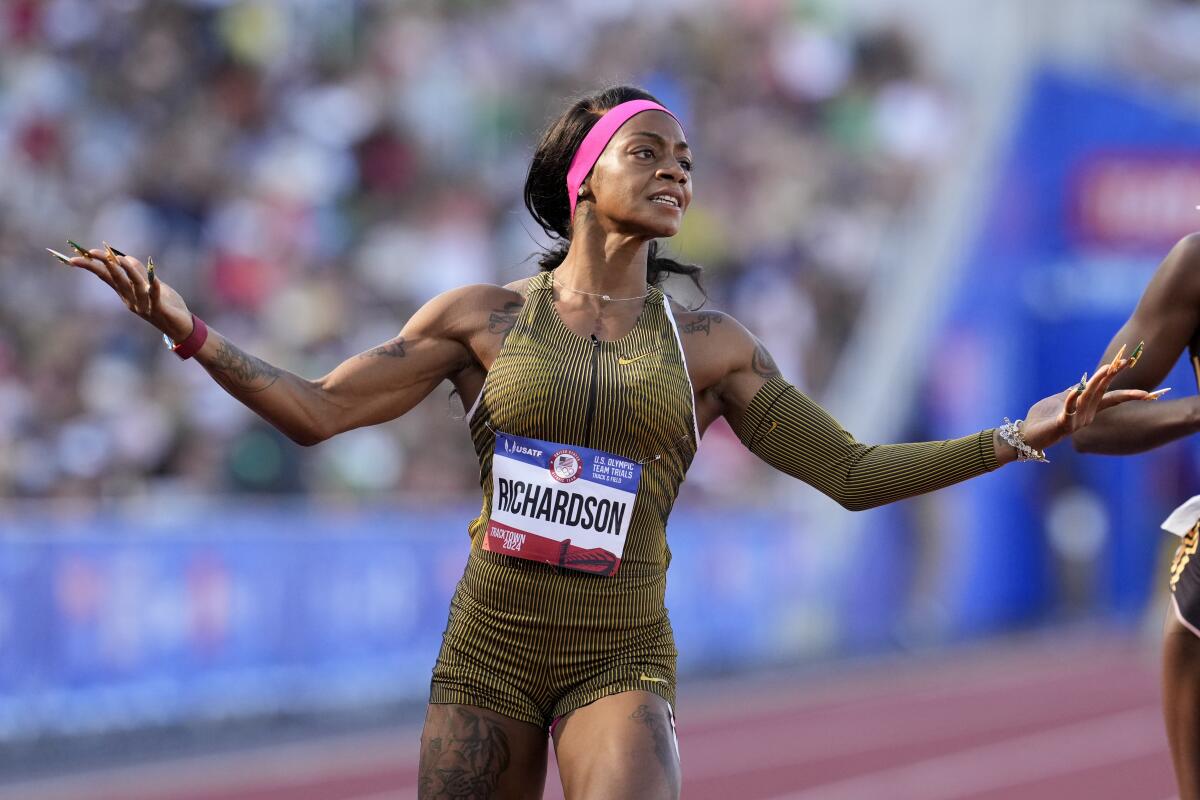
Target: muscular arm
(371,387)
(793,434)
(1167,319)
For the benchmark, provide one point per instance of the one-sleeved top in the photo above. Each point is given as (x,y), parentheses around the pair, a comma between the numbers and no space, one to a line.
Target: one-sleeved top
(633,397)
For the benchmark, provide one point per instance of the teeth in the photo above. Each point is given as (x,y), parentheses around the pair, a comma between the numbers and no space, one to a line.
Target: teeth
(671,201)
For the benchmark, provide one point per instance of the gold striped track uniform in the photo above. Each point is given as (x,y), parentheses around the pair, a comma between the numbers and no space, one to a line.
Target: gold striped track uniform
(534,641)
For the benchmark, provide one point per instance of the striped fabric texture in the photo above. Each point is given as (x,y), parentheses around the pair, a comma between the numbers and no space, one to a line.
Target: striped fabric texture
(793,434)
(534,641)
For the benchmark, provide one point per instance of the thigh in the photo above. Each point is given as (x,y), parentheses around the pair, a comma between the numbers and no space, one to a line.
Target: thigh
(621,747)
(470,753)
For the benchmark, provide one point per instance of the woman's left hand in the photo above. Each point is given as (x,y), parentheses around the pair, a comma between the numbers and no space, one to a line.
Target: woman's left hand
(1060,415)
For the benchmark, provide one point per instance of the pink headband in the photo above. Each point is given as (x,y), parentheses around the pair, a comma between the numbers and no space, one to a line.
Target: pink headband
(598,138)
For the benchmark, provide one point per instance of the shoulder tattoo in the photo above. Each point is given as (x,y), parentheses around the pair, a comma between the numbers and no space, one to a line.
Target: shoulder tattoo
(502,320)
(702,322)
(392,349)
(762,363)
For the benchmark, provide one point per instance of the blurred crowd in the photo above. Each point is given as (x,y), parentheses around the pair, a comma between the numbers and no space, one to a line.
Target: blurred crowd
(308,173)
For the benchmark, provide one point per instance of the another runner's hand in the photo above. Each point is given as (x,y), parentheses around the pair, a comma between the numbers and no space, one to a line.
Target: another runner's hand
(1062,414)
(156,302)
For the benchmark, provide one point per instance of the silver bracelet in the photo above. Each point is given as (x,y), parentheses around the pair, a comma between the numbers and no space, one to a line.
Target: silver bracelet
(1010,432)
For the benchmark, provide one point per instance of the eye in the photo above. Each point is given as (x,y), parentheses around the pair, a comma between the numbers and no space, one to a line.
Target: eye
(644,151)
(686,163)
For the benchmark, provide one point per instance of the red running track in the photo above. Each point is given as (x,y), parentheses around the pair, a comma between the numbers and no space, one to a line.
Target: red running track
(1036,721)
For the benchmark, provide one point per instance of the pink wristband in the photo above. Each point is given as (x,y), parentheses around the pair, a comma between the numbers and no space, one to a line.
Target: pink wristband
(194,341)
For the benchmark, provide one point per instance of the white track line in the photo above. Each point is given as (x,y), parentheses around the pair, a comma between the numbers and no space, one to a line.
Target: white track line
(1105,740)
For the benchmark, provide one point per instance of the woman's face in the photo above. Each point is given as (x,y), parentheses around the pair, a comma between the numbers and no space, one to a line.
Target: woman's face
(642,183)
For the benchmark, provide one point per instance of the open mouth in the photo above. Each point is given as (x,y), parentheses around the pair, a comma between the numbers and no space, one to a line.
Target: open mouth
(666,200)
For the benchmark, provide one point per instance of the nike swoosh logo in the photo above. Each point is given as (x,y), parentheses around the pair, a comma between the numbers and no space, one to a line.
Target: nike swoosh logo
(645,677)
(623,360)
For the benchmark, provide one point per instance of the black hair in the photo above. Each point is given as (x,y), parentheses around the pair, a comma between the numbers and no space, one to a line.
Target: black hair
(546,185)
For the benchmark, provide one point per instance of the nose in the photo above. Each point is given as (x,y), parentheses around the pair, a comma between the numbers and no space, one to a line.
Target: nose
(673,172)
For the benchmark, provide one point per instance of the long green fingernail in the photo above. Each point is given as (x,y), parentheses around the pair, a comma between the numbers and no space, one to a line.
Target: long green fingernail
(1137,353)
(58,255)
(83,251)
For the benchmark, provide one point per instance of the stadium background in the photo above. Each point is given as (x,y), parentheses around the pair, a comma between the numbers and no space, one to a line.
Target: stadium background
(933,212)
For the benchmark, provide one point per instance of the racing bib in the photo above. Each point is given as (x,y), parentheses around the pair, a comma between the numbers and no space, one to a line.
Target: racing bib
(560,504)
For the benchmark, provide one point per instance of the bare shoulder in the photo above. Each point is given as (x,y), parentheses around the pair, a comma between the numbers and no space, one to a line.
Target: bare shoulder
(711,329)
(521,285)
(717,345)
(476,308)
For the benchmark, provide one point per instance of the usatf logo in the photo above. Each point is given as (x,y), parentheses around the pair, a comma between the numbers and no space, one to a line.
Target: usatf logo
(512,447)
(565,466)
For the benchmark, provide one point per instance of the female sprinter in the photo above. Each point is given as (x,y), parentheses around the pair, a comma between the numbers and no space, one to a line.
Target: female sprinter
(587,394)
(1167,319)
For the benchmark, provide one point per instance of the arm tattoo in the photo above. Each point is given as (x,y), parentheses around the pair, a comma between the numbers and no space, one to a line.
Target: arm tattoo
(502,320)
(392,349)
(702,322)
(762,363)
(235,369)
(664,749)
(466,762)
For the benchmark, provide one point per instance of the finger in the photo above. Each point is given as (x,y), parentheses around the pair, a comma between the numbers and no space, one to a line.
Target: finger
(1071,405)
(1094,387)
(96,268)
(1118,396)
(137,279)
(1089,401)
(123,284)
(155,295)
(1117,359)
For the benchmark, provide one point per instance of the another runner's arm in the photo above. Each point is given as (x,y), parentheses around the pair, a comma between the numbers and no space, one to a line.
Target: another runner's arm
(1167,319)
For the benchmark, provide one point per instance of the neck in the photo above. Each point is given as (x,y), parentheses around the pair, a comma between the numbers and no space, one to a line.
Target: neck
(605,263)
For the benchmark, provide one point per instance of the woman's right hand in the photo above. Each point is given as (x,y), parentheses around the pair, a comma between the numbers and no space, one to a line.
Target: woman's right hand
(153,301)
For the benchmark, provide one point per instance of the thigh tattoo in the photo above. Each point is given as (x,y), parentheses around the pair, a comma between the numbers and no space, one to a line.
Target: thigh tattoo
(466,763)
(660,729)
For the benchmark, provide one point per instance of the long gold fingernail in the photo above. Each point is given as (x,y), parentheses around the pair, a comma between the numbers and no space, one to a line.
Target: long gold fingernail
(112,254)
(1113,364)
(1137,353)
(150,269)
(58,255)
(83,251)
(115,250)
(1158,394)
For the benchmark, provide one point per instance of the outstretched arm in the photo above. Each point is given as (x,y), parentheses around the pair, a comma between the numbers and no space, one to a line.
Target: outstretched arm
(789,431)
(372,387)
(1167,319)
